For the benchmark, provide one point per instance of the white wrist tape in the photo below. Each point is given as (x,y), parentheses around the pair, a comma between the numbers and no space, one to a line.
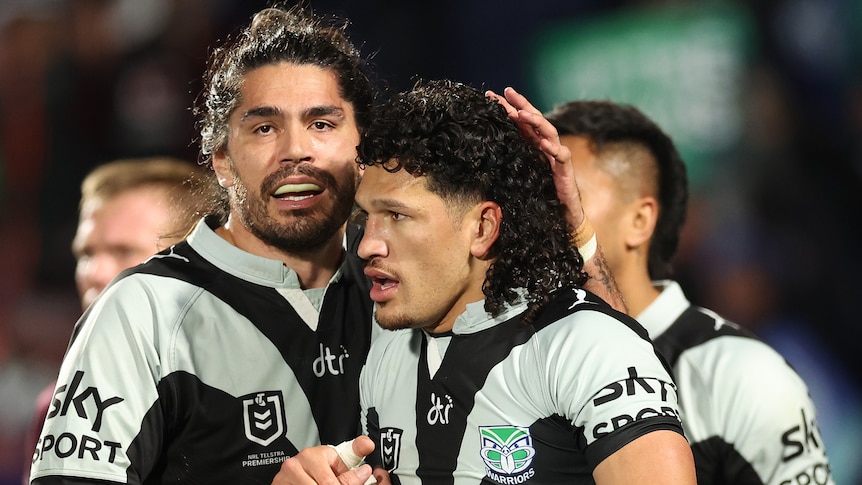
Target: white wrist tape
(588,250)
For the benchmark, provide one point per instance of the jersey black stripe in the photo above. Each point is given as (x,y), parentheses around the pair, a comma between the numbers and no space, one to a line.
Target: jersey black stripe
(691,329)
(345,324)
(441,423)
(718,462)
(469,359)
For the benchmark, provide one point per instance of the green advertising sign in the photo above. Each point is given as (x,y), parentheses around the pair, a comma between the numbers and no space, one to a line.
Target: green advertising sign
(682,66)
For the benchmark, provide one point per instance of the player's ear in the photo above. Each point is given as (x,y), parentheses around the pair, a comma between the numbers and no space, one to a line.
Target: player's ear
(222,168)
(643,214)
(487,218)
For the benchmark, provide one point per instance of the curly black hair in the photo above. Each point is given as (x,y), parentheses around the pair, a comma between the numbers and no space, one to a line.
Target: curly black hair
(606,122)
(274,35)
(469,149)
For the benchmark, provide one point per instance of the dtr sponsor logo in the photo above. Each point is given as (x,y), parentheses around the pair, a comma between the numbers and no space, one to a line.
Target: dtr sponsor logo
(439,412)
(329,362)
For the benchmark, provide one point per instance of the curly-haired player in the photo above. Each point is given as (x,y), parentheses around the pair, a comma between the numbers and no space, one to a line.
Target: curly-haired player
(221,357)
(500,368)
(470,153)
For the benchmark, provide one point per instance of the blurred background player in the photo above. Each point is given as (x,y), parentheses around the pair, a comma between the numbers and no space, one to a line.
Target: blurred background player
(129,210)
(747,414)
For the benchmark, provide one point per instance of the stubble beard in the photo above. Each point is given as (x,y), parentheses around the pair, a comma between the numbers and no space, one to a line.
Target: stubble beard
(308,229)
(386,318)
(393,322)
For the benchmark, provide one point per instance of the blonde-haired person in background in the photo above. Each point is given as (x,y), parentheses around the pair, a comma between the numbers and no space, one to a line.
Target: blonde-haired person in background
(129,210)
(263,312)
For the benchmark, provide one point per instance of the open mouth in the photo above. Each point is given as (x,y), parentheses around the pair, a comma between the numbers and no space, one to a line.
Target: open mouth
(382,290)
(384,283)
(297,192)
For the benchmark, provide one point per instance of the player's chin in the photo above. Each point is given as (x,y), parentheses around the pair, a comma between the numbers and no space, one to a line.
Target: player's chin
(391,319)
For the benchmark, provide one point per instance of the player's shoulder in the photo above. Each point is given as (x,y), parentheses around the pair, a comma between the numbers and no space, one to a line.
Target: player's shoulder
(748,362)
(702,330)
(582,313)
(146,300)
(179,261)
(726,354)
(144,286)
(170,274)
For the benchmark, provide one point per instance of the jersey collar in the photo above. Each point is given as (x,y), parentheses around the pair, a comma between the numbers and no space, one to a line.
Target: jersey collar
(662,312)
(242,264)
(475,318)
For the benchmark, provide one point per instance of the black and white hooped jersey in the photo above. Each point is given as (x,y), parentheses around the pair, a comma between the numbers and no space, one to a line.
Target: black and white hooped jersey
(747,414)
(498,401)
(206,364)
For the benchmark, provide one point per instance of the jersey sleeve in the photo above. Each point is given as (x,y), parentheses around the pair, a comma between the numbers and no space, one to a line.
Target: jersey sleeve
(378,375)
(609,382)
(368,422)
(371,372)
(758,408)
(106,386)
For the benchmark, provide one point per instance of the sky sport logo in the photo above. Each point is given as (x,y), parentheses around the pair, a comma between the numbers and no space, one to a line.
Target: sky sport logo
(507,452)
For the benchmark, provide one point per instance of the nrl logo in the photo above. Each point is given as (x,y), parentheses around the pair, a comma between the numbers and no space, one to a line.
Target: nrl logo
(390,447)
(506,450)
(263,416)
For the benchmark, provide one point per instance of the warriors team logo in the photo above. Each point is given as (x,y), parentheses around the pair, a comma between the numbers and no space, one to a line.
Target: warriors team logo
(506,450)
(263,416)
(390,447)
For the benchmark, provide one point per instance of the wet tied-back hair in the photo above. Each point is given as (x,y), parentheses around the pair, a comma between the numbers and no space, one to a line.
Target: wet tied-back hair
(277,35)
(606,124)
(470,151)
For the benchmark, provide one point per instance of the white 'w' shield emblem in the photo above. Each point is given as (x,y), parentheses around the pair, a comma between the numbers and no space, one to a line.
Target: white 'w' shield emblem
(263,416)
